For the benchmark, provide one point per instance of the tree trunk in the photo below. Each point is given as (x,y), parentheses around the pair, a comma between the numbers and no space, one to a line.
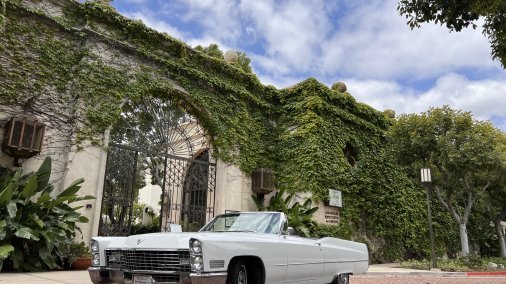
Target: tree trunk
(502,239)
(464,242)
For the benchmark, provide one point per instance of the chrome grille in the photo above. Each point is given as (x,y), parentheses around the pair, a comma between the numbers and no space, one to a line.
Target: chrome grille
(149,260)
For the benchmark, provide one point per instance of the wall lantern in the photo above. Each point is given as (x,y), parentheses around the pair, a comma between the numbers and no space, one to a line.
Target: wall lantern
(263,181)
(23,136)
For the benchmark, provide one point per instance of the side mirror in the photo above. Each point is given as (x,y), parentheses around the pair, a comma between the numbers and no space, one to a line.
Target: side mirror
(290,231)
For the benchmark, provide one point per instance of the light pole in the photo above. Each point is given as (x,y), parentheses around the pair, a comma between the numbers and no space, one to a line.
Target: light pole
(426,179)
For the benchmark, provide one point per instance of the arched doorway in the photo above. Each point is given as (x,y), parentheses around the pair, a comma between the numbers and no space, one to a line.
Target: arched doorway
(157,143)
(195,193)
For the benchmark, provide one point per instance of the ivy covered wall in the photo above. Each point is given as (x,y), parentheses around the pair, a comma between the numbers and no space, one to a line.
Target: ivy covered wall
(75,64)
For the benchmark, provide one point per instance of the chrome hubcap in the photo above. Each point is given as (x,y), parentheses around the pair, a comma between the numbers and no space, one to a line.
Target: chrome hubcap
(344,279)
(242,277)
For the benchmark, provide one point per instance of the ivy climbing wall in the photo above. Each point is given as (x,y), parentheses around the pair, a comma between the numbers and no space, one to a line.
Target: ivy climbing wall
(75,64)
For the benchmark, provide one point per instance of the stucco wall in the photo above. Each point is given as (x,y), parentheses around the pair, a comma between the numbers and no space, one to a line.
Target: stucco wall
(89,164)
(233,189)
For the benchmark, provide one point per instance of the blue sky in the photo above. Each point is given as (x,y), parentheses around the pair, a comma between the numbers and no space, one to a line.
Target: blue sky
(364,43)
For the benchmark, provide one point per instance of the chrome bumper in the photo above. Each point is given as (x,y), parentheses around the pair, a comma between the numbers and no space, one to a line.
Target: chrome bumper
(107,276)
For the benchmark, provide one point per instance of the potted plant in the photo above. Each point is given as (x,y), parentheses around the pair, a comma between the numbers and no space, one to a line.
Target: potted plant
(75,255)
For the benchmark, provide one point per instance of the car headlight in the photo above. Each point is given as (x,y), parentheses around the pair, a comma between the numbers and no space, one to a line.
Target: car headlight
(96,259)
(196,258)
(197,263)
(94,246)
(95,253)
(196,246)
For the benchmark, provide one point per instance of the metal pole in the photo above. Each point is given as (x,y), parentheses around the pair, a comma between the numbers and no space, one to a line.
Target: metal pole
(163,205)
(434,264)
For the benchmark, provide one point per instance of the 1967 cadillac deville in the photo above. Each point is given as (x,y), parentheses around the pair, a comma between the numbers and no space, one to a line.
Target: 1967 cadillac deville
(234,248)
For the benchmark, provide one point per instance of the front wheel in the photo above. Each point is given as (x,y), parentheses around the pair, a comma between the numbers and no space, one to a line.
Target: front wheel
(238,273)
(342,279)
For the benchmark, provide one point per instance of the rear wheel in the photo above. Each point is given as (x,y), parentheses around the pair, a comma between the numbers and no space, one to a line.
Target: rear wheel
(238,273)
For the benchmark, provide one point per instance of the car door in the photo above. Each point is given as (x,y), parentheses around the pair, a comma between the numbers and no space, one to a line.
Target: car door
(305,260)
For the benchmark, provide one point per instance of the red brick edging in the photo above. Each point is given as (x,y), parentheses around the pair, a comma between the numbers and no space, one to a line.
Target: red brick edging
(486,273)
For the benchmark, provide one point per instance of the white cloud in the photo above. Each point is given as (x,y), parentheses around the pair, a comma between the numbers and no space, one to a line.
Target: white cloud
(289,32)
(365,42)
(375,42)
(292,32)
(137,1)
(218,19)
(382,94)
(149,20)
(484,98)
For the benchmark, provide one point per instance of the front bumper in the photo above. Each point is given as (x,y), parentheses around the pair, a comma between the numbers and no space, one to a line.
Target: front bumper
(106,276)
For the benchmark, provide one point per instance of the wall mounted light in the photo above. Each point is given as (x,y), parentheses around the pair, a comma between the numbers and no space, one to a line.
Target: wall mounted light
(23,136)
(262,181)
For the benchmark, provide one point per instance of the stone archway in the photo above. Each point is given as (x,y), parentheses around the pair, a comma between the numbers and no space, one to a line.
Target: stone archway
(157,142)
(80,62)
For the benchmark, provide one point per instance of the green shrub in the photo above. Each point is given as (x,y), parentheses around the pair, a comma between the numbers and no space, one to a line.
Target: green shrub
(416,264)
(455,265)
(69,252)
(35,222)
(336,231)
(144,229)
(300,217)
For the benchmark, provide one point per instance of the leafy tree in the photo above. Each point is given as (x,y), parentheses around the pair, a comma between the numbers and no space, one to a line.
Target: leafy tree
(213,50)
(154,124)
(244,62)
(457,15)
(483,236)
(463,154)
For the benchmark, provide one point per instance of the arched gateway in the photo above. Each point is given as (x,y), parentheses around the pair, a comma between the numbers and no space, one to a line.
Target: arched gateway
(79,66)
(157,138)
(121,100)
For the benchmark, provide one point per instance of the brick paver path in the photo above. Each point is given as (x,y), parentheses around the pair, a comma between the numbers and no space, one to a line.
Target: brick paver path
(360,279)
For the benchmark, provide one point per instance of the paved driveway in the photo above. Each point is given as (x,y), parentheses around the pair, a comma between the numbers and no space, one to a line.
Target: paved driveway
(413,279)
(67,277)
(378,275)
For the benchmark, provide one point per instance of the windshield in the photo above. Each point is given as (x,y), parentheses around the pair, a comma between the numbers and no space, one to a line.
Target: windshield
(266,223)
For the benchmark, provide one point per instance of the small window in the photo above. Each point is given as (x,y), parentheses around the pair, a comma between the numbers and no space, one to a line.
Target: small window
(350,154)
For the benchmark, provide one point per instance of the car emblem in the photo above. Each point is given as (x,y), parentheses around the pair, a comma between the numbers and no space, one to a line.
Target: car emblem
(139,241)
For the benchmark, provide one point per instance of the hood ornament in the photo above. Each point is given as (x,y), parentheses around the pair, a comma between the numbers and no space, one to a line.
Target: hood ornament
(139,241)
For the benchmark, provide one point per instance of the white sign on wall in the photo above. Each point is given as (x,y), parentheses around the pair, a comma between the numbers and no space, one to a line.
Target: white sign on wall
(335,198)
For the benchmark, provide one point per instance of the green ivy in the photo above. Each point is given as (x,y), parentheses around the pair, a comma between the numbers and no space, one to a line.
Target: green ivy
(300,132)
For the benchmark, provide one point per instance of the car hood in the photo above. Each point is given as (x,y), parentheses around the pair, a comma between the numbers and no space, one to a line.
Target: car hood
(175,241)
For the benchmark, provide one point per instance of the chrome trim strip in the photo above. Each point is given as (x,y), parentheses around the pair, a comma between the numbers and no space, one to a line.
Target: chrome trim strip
(348,261)
(154,272)
(146,249)
(344,261)
(213,274)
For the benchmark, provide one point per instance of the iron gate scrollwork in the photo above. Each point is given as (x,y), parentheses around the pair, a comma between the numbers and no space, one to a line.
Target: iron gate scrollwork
(117,200)
(191,192)
(188,189)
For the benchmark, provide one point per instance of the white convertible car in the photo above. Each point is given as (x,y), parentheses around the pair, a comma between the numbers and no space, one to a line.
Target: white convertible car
(234,248)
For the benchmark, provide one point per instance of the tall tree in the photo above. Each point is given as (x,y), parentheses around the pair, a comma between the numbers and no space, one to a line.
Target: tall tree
(498,203)
(498,197)
(457,15)
(463,153)
(213,50)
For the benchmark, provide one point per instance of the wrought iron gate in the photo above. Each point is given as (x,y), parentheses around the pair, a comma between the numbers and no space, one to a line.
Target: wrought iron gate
(188,187)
